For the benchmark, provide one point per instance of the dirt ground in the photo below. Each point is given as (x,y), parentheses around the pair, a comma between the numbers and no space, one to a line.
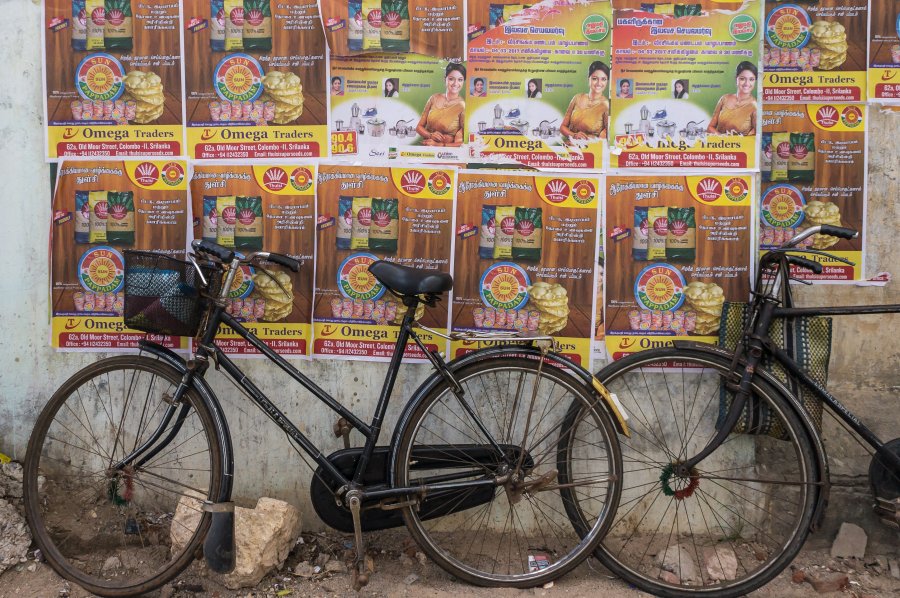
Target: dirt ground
(405,573)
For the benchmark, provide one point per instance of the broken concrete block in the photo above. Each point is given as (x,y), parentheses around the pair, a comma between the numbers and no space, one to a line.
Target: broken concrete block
(850,542)
(15,537)
(720,562)
(678,560)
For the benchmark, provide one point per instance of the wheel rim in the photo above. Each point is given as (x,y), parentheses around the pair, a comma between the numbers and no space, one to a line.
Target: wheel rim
(526,518)
(113,528)
(730,523)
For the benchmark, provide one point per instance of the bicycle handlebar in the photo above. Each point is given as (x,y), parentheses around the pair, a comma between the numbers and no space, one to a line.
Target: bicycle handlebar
(802,262)
(226,255)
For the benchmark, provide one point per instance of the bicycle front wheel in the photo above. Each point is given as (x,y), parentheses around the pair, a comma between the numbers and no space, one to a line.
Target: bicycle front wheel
(741,515)
(121,529)
(499,467)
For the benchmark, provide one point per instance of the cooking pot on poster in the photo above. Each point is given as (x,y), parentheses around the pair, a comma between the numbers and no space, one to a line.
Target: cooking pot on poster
(376,127)
(666,128)
(520,125)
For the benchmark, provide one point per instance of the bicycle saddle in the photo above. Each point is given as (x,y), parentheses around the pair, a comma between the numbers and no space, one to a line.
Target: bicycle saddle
(411,281)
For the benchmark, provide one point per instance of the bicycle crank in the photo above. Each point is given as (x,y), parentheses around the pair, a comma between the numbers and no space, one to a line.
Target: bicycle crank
(360,571)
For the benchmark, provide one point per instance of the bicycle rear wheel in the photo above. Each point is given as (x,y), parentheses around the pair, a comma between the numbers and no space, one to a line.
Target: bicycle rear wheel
(741,516)
(121,531)
(512,529)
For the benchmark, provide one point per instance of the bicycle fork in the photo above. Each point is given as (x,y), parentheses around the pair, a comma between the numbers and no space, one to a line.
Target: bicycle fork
(741,390)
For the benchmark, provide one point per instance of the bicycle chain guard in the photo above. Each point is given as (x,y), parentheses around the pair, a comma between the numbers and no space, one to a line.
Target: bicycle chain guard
(885,480)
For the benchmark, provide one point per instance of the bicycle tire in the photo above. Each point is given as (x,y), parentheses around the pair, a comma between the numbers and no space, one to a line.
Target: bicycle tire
(765,489)
(111,530)
(493,543)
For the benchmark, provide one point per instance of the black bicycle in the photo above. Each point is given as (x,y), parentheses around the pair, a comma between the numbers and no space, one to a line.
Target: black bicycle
(725,472)
(504,464)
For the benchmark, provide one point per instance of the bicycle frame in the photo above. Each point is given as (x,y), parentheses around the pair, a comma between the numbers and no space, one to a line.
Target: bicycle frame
(208,349)
(765,308)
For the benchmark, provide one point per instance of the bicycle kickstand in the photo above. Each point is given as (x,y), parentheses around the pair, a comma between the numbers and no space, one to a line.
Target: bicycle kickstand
(360,570)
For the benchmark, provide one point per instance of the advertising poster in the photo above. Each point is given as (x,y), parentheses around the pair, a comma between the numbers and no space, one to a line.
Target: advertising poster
(813,173)
(370,213)
(815,51)
(884,51)
(101,209)
(487,14)
(254,76)
(526,253)
(677,248)
(685,85)
(112,78)
(262,208)
(539,87)
(435,29)
(398,107)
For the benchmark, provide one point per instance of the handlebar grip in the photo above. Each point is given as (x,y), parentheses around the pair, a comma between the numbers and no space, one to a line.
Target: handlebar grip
(802,262)
(838,231)
(283,260)
(210,248)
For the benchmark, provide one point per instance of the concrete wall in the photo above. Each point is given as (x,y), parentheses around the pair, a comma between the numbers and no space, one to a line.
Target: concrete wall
(865,364)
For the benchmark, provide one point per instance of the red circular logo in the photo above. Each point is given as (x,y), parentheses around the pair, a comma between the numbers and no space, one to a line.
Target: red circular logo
(146,174)
(237,16)
(117,212)
(101,210)
(661,226)
(584,192)
(799,151)
(412,181)
(851,116)
(556,191)
(246,216)
(374,18)
(508,225)
(736,189)
(364,216)
(275,179)
(525,228)
(709,189)
(381,218)
(784,149)
(172,173)
(301,179)
(229,214)
(98,16)
(392,19)
(827,116)
(678,228)
(254,17)
(439,182)
(115,17)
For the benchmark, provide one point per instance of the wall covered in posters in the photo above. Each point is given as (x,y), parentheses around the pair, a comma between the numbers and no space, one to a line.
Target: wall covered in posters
(112,78)
(676,249)
(684,85)
(256,92)
(254,77)
(526,251)
(370,213)
(262,207)
(100,210)
(814,172)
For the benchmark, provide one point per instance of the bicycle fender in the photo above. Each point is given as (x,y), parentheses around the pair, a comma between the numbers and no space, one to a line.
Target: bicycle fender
(562,361)
(814,435)
(492,353)
(212,404)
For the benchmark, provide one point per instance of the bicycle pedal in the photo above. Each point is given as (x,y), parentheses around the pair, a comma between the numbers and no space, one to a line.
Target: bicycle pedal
(888,511)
